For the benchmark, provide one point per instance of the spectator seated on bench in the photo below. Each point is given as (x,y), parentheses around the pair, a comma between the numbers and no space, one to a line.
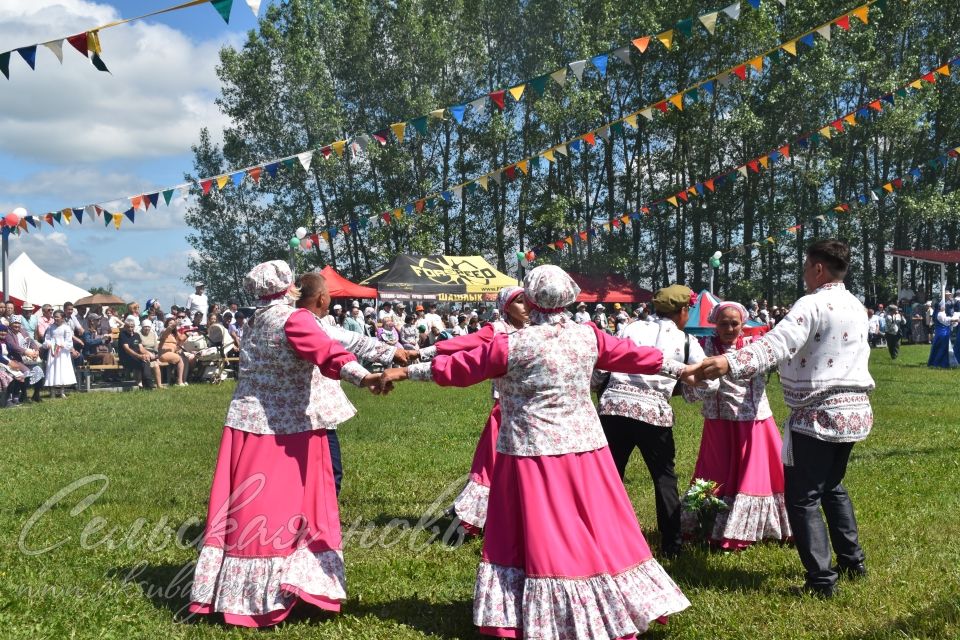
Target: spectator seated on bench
(133,357)
(96,348)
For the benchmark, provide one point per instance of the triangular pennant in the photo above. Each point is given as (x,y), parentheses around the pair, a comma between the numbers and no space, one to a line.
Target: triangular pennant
(399,128)
(254,6)
(825,132)
(497,98)
(457,112)
(338,147)
(480,104)
(560,76)
(548,154)
(523,166)
(381,136)
(561,149)
(944,70)
(575,145)
(765,161)
(305,158)
(517,91)
(873,196)
(850,119)
(237,178)
(600,62)
(709,21)
(497,177)
(79,42)
(790,47)
(631,121)
(733,11)
(539,84)
(785,151)
(623,54)
(685,27)
(106,220)
(683,196)
(98,63)
(222,181)
(577,67)
(483,181)
(604,132)
(808,39)
(29,55)
(757,64)
(724,78)
(271,169)
(673,200)
(709,184)
(741,72)
(754,166)
(876,105)
(930,77)
(647,113)
(708,87)
(130,213)
(616,127)
(666,38)
(137,202)
(168,193)
(824,32)
(57,47)
(5,64)
(153,199)
(838,125)
(223,8)
(888,188)
(79,214)
(205,185)
(843,22)
(662,106)
(437,114)
(677,101)
(641,43)
(862,13)
(590,138)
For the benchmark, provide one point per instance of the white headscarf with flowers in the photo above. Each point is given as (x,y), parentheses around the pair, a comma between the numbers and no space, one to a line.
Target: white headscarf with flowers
(548,290)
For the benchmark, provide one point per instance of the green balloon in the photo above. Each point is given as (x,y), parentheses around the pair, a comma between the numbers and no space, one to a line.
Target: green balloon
(294,243)
(715,262)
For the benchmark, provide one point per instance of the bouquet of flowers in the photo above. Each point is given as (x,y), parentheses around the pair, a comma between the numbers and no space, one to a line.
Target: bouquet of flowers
(701,499)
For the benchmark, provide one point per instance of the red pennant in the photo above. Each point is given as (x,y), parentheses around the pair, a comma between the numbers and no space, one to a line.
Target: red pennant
(315,237)
(136,201)
(497,98)
(838,125)
(930,77)
(381,137)
(645,211)
(558,244)
(583,235)
(345,228)
(898,183)
(79,42)
(386,217)
(419,205)
(754,166)
(590,138)
(616,223)
(953,153)
(254,173)
(683,196)
(531,256)
(741,72)
(843,23)
(662,106)
(511,172)
(709,184)
(845,206)
(876,105)
(49,219)
(326,152)
(785,151)
(205,185)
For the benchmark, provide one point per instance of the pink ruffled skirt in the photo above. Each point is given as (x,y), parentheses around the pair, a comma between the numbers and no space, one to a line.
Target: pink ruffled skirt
(564,557)
(471,505)
(743,458)
(273,530)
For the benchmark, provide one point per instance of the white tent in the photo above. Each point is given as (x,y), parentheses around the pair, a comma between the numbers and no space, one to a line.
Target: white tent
(30,283)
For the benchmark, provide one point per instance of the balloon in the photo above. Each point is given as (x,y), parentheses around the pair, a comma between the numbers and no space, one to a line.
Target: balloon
(301,233)
(11,219)
(307,243)
(717,255)
(294,243)
(715,263)
(21,213)
(520,256)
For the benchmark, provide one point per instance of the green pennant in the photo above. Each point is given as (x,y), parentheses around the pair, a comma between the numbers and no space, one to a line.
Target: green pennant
(58,217)
(694,96)
(168,196)
(686,27)
(420,124)
(223,8)
(288,163)
(535,162)
(363,222)
(107,218)
(5,64)
(471,188)
(616,127)
(776,57)
(815,138)
(902,92)
(539,84)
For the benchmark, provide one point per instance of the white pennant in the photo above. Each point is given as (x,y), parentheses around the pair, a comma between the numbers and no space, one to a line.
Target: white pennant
(480,104)
(458,192)
(185,191)
(254,6)
(305,159)
(577,68)
(561,149)
(604,132)
(496,176)
(824,31)
(733,11)
(873,196)
(647,113)
(710,21)
(783,2)
(57,47)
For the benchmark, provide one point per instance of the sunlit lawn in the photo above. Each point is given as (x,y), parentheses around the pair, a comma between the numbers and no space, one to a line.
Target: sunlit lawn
(117,570)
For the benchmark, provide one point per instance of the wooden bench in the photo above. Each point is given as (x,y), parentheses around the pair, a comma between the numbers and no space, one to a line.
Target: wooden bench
(88,371)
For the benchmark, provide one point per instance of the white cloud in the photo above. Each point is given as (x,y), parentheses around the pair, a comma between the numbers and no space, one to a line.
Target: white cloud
(161,91)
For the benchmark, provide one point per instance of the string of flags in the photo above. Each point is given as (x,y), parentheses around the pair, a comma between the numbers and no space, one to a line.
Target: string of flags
(87,43)
(941,161)
(760,163)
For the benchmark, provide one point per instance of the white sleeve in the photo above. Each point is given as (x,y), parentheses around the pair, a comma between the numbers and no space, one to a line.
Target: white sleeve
(778,344)
(696,393)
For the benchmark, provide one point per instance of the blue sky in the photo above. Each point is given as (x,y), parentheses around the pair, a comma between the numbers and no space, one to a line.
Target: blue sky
(72,135)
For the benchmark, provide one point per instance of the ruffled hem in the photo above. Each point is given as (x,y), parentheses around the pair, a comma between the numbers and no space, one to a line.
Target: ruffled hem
(557,608)
(259,592)
(471,505)
(750,519)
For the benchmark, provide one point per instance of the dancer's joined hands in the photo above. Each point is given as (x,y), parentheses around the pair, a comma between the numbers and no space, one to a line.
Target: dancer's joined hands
(707,369)
(375,384)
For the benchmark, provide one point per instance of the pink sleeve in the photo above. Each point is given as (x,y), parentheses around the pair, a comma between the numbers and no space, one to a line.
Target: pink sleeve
(312,344)
(465,342)
(624,356)
(465,368)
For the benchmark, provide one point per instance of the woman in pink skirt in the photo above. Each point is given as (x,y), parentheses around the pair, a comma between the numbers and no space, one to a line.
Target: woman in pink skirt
(740,448)
(563,554)
(471,505)
(273,526)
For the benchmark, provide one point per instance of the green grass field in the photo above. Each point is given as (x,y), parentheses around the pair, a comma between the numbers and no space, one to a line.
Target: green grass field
(126,477)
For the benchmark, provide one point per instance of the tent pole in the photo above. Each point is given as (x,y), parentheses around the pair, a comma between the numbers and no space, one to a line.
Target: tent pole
(6,279)
(943,284)
(899,266)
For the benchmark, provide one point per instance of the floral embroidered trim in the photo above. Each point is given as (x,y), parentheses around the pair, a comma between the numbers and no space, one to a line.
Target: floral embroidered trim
(750,519)
(471,505)
(354,373)
(420,372)
(671,368)
(429,353)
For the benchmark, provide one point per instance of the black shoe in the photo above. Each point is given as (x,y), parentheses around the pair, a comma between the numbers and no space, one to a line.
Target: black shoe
(852,572)
(824,592)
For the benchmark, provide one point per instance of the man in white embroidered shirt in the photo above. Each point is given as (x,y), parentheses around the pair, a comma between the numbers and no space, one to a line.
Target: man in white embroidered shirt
(822,349)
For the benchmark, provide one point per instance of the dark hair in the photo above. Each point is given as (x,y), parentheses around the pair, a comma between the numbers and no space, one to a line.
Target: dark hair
(833,253)
(310,285)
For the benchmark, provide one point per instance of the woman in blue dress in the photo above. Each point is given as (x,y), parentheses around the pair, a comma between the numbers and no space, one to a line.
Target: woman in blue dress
(942,354)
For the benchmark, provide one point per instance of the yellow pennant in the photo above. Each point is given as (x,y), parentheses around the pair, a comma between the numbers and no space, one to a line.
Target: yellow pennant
(93,42)
(677,101)
(517,91)
(339,146)
(325,235)
(399,129)
(221,181)
(116,220)
(944,70)
(888,187)
(825,132)
(672,200)
(862,13)
(569,240)
(765,161)
(548,154)
(757,63)
(850,119)
(68,214)
(523,166)
(625,219)
(398,213)
(916,84)
(482,181)
(631,121)
(790,47)
(692,191)
(666,38)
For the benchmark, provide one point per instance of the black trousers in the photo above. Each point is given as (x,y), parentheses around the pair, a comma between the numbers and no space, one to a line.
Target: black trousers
(658,451)
(893,344)
(815,481)
(333,440)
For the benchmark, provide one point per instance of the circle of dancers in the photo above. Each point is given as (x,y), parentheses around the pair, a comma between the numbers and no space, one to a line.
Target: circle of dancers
(563,554)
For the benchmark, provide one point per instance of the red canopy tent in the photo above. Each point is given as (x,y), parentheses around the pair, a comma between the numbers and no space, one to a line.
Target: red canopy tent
(943,258)
(340,287)
(611,287)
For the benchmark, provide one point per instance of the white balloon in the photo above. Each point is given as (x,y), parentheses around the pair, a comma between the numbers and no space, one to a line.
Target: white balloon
(301,233)
(717,255)
(20,212)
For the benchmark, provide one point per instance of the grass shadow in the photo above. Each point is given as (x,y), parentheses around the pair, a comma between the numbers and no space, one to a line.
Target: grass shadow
(435,619)
(694,568)
(941,620)
(440,529)
(166,586)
